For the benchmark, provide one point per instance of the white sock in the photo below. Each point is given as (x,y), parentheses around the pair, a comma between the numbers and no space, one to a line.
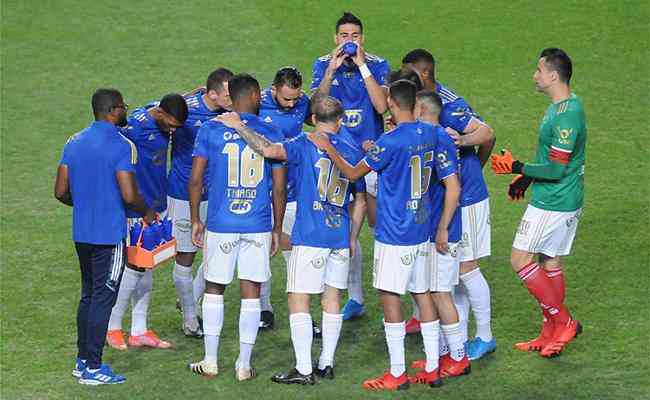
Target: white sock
(355,276)
(184,290)
(395,334)
(265,296)
(443,348)
(459,296)
(140,303)
(301,337)
(198,285)
(430,333)
(416,309)
(454,339)
(478,293)
(249,321)
(331,332)
(212,324)
(130,279)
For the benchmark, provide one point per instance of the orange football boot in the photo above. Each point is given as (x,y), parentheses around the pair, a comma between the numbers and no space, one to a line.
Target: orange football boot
(387,382)
(148,339)
(115,339)
(450,367)
(539,342)
(427,378)
(562,335)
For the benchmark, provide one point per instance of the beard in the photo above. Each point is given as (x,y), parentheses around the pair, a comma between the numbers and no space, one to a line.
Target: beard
(122,121)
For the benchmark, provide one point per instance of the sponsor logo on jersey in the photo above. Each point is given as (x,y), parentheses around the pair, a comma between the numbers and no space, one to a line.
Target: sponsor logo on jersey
(374,151)
(240,207)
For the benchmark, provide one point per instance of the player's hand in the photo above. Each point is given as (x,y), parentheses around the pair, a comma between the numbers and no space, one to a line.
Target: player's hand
(149,216)
(320,140)
(360,58)
(230,119)
(367,145)
(389,123)
(275,241)
(442,241)
(518,186)
(336,58)
(198,231)
(455,136)
(502,163)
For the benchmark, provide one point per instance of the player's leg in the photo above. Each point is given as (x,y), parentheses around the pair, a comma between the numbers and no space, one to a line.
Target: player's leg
(429,329)
(85,267)
(140,334)
(130,279)
(219,266)
(461,302)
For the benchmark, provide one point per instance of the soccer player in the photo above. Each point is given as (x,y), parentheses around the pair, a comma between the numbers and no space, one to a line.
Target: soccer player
(96,178)
(323,236)
(149,128)
(445,237)
(402,158)
(476,140)
(202,106)
(548,227)
(238,229)
(358,81)
(286,106)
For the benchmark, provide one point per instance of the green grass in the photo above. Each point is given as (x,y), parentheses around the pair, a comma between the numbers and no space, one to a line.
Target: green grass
(54,54)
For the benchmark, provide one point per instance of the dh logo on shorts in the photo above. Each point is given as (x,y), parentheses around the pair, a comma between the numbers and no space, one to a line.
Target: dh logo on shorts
(227,247)
(318,263)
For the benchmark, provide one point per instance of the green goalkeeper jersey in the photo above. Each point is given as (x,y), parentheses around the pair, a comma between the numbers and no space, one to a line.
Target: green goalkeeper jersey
(562,142)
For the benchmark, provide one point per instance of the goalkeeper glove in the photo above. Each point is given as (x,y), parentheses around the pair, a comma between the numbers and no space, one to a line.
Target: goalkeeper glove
(518,186)
(504,164)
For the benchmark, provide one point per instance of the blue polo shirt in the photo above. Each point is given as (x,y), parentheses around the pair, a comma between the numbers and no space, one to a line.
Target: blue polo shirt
(93,157)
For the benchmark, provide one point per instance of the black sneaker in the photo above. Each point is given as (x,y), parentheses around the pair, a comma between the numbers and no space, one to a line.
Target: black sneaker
(294,376)
(325,373)
(267,320)
(316,330)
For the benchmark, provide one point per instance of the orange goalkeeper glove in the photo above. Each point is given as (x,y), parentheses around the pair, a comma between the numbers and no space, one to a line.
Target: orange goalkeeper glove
(504,164)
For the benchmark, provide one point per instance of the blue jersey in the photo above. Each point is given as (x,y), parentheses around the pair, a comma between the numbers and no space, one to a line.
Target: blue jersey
(239,195)
(183,145)
(403,159)
(323,195)
(151,170)
(289,121)
(446,165)
(361,118)
(457,114)
(93,157)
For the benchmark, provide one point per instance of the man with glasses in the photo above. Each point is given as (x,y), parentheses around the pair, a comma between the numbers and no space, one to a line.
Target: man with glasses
(150,128)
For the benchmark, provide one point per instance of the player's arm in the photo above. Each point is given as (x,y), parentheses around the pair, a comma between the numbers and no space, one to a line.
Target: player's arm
(356,219)
(279,199)
(195,188)
(336,59)
(353,173)
(131,196)
(62,186)
(378,94)
(452,195)
(477,133)
(257,142)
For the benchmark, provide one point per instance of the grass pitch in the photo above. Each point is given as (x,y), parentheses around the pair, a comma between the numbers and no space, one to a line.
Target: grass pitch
(55,54)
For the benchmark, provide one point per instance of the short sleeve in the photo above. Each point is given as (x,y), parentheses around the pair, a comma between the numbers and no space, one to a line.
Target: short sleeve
(295,149)
(565,132)
(317,74)
(201,144)
(446,157)
(457,115)
(380,154)
(127,157)
(381,72)
(65,156)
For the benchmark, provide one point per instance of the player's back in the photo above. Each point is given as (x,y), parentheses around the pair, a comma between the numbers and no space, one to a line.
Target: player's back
(240,181)
(403,159)
(322,193)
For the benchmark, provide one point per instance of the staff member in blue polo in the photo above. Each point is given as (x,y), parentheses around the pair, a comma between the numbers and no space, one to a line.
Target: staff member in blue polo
(96,176)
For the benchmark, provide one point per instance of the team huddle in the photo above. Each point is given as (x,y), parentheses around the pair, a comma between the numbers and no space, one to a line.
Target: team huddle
(397,149)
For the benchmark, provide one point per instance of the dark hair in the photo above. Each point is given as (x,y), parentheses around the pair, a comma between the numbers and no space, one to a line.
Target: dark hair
(431,99)
(418,55)
(104,100)
(288,76)
(559,61)
(349,18)
(242,85)
(406,73)
(326,108)
(174,104)
(217,78)
(403,93)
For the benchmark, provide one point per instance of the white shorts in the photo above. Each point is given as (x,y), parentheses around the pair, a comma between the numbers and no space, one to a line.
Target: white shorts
(547,232)
(475,242)
(371,183)
(445,268)
(397,269)
(249,251)
(289,218)
(311,268)
(179,213)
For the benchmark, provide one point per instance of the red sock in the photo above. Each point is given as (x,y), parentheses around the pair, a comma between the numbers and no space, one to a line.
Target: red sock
(540,286)
(556,276)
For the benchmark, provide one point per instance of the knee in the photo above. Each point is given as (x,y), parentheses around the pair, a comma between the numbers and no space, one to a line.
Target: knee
(468,266)
(519,259)
(185,259)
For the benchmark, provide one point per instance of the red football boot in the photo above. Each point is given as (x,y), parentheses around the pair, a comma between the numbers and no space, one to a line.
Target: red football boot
(562,335)
(412,326)
(427,378)
(387,382)
(450,367)
(418,364)
(539,342)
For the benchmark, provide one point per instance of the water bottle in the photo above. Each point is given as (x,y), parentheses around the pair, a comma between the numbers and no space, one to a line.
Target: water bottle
(157,228)
(135,233)
(150,239)
(167,229)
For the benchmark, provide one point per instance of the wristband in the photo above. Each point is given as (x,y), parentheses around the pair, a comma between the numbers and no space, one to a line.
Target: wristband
(517,167)
(365,71)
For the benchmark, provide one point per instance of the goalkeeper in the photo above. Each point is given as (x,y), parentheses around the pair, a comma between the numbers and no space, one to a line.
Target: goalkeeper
(548,227)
